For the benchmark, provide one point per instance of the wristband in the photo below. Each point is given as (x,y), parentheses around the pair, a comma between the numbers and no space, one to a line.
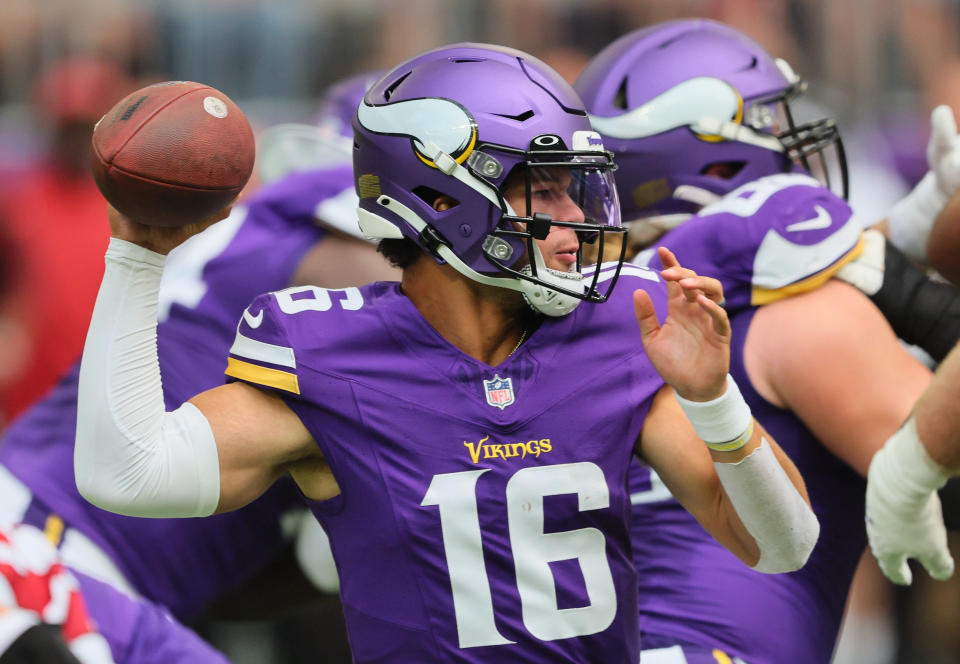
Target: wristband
(725,424)
(906,469)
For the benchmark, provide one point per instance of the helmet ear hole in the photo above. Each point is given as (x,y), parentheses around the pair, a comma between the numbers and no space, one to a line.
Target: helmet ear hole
(725,170)
(430,196)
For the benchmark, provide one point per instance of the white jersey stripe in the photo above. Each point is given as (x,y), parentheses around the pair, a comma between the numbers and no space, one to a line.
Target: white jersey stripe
(261,351)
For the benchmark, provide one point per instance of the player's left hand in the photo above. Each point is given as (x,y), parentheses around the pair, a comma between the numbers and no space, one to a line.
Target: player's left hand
(691,350)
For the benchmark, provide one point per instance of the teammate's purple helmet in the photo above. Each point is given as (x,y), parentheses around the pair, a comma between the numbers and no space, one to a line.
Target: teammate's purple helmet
(693,109)
(326,143)
(455,122)
(339,103)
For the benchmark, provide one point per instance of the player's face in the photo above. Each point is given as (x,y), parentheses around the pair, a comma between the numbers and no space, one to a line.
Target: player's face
(549,194)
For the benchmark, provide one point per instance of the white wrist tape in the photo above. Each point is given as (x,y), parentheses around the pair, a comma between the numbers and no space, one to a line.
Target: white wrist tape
(132,457)
(771,509)
(725,423)
(903,471)
(911,218)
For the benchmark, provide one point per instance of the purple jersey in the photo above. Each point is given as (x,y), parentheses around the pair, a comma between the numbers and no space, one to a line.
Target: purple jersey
(184,563)
(483,514)
(771,238)
(140,632)
(692,590)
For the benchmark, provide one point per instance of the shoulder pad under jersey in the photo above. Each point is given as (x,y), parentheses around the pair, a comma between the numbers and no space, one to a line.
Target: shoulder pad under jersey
(771,238)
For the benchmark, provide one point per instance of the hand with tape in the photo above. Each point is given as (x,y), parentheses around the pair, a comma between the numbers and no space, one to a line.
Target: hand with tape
(903,514)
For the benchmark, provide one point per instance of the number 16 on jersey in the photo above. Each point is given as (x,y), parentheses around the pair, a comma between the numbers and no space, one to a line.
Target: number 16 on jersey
(533,551)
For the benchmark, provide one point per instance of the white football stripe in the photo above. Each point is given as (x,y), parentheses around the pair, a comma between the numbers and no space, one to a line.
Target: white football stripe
(261,351)
(780,262)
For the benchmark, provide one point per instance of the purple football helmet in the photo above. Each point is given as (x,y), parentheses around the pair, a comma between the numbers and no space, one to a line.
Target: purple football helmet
(339,103)
(456,122)
(693,109)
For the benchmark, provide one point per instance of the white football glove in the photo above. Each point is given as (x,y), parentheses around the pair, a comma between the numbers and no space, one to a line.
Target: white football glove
(912,217)
(903,515)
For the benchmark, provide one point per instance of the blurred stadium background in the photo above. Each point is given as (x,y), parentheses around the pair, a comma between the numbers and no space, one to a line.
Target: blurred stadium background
(878,66)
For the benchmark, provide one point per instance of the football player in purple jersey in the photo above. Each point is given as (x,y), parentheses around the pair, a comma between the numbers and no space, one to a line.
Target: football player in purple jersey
(463,435)
(711,160)
(136,572)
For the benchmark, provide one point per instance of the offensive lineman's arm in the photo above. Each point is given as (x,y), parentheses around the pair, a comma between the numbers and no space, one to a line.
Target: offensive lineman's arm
(833,332)
(845,375)
(938,415)
(215,453)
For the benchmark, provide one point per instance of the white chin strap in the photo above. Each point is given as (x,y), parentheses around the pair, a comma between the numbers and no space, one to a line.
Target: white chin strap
(546,300)
(540,298)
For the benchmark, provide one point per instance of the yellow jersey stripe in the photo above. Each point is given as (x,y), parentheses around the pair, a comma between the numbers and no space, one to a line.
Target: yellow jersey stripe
(53,530)
(721,657)
(281,380)
(762,296)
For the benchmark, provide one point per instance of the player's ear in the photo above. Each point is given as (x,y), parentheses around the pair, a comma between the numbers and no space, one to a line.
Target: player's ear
(443,203)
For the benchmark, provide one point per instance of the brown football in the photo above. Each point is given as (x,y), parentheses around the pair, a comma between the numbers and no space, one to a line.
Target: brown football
(172,153)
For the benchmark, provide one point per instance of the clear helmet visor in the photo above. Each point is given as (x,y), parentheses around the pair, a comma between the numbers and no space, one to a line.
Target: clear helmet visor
(565,207)
(579,191)
(577,195)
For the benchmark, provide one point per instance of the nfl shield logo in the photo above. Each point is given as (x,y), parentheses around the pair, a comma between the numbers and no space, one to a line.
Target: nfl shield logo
(499,391)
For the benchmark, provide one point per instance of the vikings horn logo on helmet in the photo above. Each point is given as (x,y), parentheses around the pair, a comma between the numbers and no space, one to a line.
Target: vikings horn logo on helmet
(430,123)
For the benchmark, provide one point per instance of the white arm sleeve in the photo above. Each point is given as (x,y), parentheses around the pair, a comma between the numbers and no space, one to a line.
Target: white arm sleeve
(771,509)
(132,457)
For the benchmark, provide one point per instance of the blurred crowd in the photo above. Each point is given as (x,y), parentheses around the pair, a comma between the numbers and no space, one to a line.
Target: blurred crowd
(878,66)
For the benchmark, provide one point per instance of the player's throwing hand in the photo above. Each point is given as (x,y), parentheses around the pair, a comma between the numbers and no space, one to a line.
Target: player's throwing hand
(161,239)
